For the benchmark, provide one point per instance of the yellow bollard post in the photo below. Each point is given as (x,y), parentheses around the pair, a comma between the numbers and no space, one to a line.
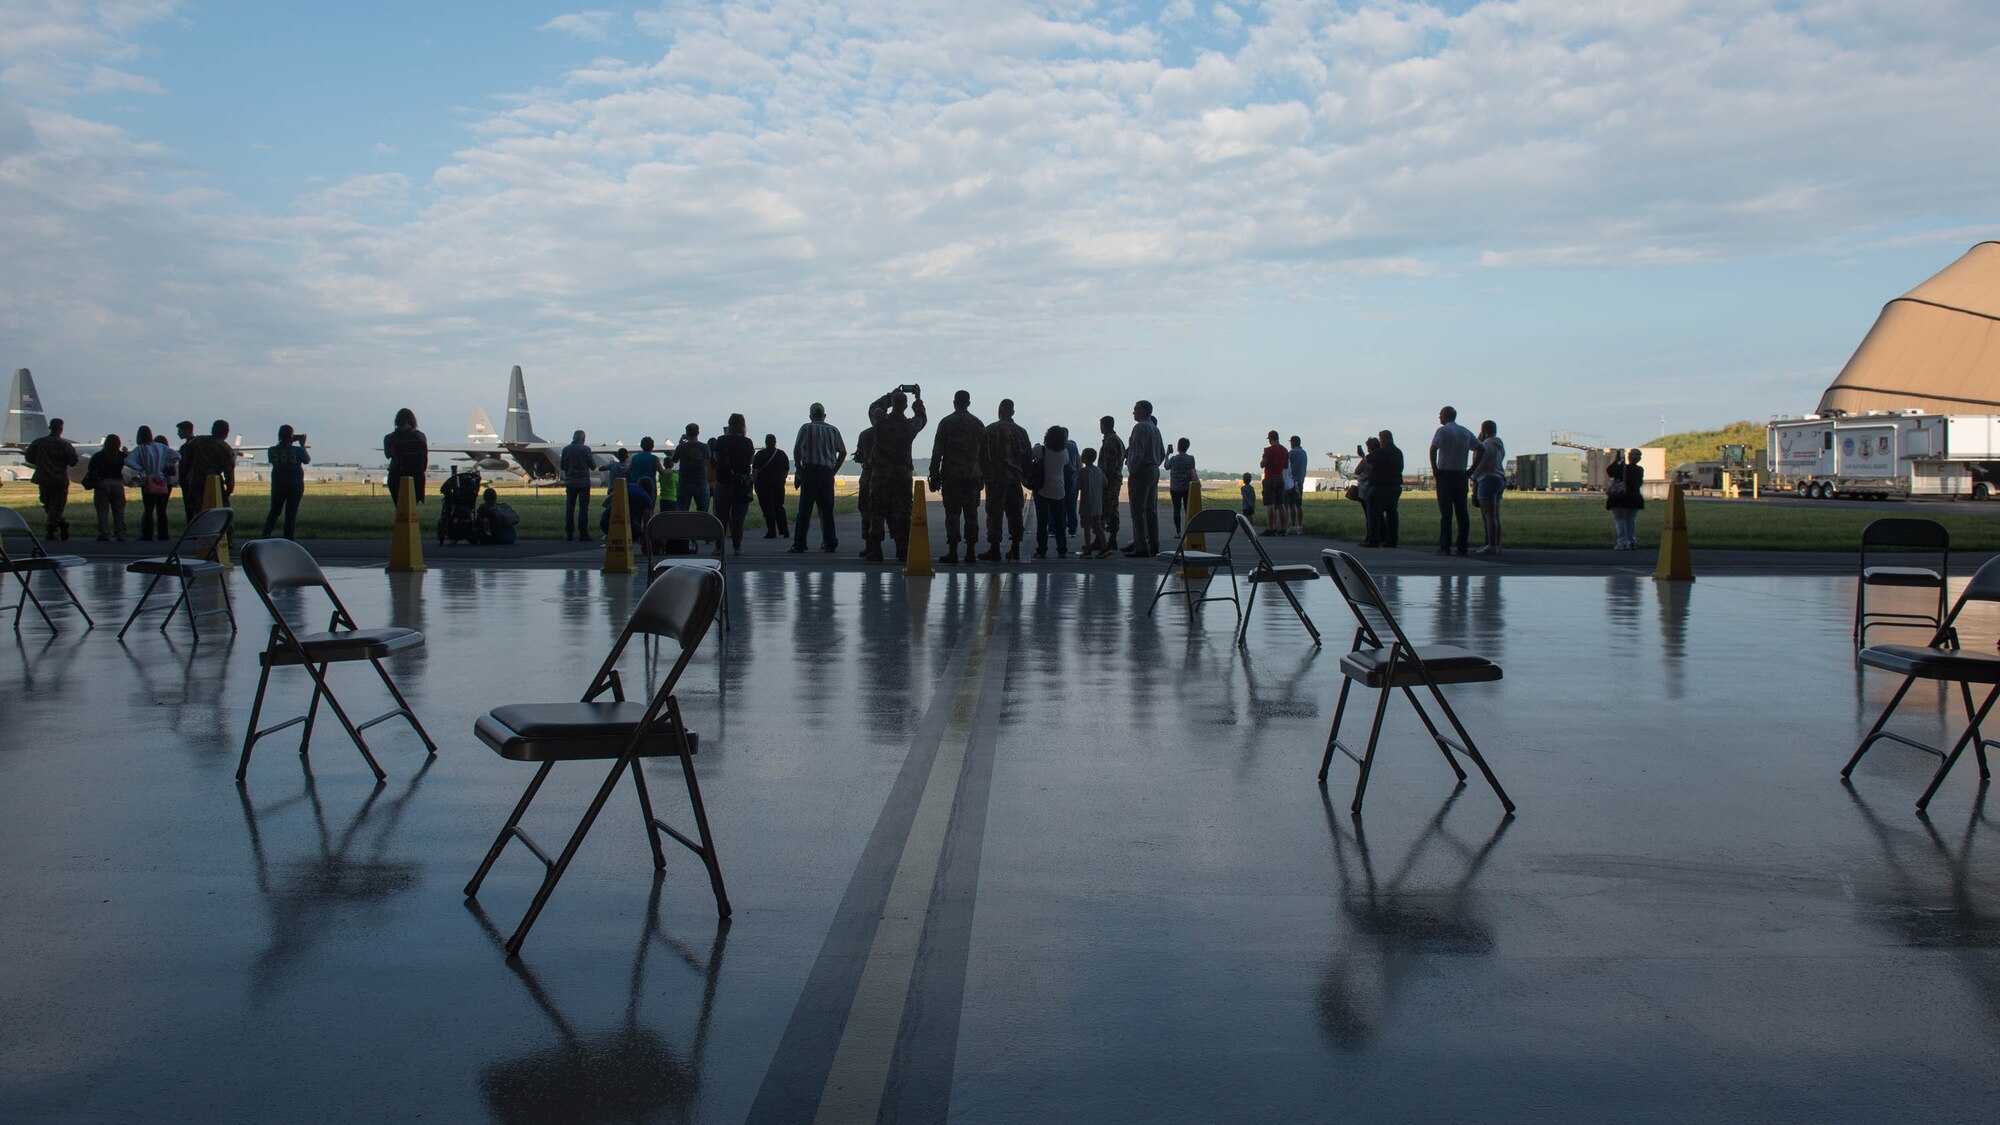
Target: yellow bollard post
(1675,564)
(1728,487)
(1753,486)
(618,536)
(1194,542)
(211,497)
(406,542)
(917,545)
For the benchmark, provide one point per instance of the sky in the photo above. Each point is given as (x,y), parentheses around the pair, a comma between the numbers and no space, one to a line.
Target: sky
(1327,218)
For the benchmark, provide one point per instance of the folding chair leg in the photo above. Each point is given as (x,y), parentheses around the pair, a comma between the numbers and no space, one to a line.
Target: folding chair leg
(144,595)
(27,596)
(1978,737)
(555,871)
(312,717)
(1243,617)
(403,705)
(319,677)
(1443,746)
(256,709)
(506,830)
(1299,608)
(1875,732)
(88,621)
(722,907)
(646,814)
(186,599)
(1472,750)
(1333,735)
(1971,735)
(1374,736)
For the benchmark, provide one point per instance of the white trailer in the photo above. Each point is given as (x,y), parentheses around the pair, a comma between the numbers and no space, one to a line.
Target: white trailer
(1885,453)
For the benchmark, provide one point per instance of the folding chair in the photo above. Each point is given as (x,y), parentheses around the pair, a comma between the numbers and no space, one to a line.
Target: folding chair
(1268,573)
(1903,536)
(1942,660)
(1384,659)
(36,561)
(700,527)
(681,604)
(1207,522)
(280,564)
(192,557)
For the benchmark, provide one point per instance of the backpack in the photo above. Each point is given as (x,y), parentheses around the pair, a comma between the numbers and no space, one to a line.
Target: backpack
(504,515)
(1035,471)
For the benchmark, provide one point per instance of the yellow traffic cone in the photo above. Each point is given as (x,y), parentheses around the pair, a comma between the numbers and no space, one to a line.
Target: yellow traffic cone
(917,546)
(618,537)
(1196,542)
(406,542)
(1674,565)
(211,497)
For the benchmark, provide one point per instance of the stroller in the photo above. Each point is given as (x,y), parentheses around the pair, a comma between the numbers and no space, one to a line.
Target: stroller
(459,522)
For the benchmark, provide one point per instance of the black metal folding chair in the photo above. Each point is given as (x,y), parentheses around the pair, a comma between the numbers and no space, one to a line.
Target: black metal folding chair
(36,560)
(280,564)
(1208,523)
(1269,573)
(680,604)
(1383,659)
(1942,660)
(1907,537)
(665,528)
(192,557)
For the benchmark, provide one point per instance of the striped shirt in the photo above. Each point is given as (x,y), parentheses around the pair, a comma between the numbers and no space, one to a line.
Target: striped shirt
(1145,449)
(818,444)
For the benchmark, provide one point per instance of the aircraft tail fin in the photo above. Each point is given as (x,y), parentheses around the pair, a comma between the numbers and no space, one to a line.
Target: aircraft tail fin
(519,429)
(25,419)
(479,429)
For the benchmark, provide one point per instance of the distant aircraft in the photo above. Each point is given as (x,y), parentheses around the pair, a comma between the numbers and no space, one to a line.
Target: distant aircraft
(26,421)
(534,456)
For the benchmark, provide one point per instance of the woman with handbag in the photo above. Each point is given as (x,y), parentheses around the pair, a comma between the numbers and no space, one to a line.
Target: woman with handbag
(288,479)
(104,479)
(1622,497)
(153,461)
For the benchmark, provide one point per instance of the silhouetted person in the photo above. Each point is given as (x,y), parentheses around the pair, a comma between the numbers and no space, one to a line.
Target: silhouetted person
(1003,454)
(105,474)
(190,503)
(817,454)
(1489,482)
(211,458)
(691,458)
(1111,462)
(1451,463)
(1385,490)
(768,470)
(897,418)
(1145,452)
(288,458)
(1180,478)
(409,454)
(577,465)
(864,456)
(956,472)
(155,464)
(735,455)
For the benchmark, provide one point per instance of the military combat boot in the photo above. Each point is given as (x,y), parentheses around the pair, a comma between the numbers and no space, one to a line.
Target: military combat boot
(1014,551)
(950,556)
(990,554)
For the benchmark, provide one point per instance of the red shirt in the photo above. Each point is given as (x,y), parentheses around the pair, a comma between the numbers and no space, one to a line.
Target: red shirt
(1276,460)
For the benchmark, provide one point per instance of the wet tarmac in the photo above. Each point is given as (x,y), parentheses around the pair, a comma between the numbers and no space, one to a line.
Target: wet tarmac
(1004,848)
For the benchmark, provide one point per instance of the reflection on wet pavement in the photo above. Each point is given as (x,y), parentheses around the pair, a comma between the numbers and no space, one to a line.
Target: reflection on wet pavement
(1143,908)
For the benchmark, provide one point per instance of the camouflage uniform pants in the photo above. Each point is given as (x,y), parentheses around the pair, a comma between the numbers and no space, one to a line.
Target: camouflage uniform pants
(961,509)
(1003,498)
(888,508)
(1114,487)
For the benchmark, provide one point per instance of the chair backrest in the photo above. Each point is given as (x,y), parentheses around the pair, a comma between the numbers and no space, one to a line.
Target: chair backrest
(665,527)
(1983,586)
(199,538)
(1364,599)
(681,604)
(1210,523)
(1256,544)
(11,523)
(280,564)
(1902,531)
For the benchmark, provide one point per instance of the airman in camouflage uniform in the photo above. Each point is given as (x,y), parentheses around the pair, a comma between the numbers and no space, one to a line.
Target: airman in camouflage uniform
(957,471)
(1003,454)
(890,470)
(864,456)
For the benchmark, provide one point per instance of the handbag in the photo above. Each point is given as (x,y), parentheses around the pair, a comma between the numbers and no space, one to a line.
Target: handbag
(157,485)
(1287,481)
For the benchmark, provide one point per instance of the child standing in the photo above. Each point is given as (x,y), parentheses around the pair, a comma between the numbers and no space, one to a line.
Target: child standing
(1090,505)
(1249,497)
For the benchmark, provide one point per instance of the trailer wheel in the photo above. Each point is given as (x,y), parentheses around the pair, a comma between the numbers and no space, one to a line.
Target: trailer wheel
(1801,489)
(1980,490)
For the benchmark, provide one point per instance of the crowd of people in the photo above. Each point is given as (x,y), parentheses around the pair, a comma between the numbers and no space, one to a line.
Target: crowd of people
(1073,491)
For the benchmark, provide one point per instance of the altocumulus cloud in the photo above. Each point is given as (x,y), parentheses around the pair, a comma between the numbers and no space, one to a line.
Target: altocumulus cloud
(805,192)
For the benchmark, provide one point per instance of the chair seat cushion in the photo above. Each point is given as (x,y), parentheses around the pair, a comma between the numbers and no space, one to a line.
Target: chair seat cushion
(1448,664)
(1199,558)
(561,732)
(660,568)
(1901,576)
(28,565)
(185,567)
(1302,572)
(354,644)
(1934,663)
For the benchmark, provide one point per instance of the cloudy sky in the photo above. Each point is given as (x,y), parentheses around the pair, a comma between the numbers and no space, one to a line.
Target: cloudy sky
(1321,217)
